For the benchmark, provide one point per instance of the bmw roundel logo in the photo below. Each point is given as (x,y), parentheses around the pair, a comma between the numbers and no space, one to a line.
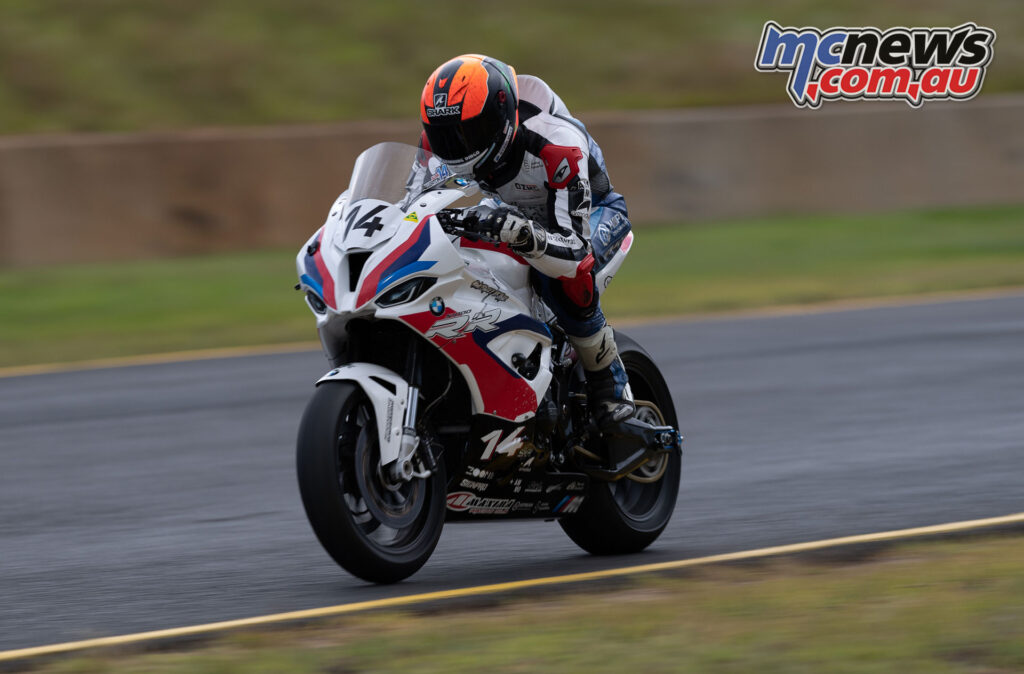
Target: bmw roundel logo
(437,306)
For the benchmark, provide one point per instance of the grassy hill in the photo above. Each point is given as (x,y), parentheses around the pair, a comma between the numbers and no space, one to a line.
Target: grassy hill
(150,64)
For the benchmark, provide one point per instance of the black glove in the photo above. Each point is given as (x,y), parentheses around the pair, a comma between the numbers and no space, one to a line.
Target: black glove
(485,222)
(504,224)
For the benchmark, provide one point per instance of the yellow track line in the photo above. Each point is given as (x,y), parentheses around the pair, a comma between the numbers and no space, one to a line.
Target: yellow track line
(832,306)
(158,358)
(479,590)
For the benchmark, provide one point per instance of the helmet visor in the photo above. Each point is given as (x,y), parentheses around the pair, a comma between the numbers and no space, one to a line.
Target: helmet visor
(465,138)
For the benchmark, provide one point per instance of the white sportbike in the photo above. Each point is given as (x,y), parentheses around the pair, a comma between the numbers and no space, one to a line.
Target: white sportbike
(454,394)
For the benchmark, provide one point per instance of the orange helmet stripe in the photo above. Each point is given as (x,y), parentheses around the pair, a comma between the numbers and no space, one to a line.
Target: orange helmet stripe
(467,85)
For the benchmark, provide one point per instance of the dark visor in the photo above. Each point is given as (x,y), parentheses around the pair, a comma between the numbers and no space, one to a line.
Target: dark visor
(458,141)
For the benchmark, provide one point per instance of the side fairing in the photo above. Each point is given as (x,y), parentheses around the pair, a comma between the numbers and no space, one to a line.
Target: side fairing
(320,262)
(478,321)
(483,344)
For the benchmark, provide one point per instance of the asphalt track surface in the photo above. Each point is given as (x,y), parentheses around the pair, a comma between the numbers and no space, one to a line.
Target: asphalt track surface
(157,496)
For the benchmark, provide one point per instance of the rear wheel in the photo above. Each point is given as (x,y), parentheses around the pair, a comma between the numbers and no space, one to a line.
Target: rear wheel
(379,530)
(628,515)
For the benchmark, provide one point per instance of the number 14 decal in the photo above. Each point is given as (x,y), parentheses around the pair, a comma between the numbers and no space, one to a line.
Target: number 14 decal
(510,446)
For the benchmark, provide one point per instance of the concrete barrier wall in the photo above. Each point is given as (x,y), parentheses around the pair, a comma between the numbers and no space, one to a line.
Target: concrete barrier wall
(100,197)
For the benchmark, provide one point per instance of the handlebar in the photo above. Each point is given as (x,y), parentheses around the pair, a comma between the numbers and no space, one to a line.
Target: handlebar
(453,221)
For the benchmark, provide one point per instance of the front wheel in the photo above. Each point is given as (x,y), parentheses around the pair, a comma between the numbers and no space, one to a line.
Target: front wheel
(375,529)
(628,515)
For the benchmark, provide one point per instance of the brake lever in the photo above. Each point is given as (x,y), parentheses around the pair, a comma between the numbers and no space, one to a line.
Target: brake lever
(452,221)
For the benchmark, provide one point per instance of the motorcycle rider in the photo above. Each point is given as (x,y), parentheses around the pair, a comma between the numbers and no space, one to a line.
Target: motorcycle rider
(548,196)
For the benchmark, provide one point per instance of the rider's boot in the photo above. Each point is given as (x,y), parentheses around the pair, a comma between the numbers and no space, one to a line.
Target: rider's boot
(611,399)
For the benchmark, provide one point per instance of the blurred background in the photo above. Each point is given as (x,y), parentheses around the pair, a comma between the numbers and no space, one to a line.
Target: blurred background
(162,160)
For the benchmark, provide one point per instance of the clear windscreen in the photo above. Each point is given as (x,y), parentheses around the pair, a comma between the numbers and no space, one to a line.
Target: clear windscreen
(398,173)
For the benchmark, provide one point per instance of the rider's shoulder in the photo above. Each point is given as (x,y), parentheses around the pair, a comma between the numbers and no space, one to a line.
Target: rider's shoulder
(552,134)
(543,113)
(548,130)
(535,92)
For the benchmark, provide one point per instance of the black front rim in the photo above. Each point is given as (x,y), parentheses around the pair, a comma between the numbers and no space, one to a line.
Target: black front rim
(389,517)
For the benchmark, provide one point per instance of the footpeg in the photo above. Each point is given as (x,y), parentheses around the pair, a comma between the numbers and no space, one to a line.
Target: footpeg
(631,444)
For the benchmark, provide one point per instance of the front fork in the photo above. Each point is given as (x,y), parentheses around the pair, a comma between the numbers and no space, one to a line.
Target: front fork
(404,468)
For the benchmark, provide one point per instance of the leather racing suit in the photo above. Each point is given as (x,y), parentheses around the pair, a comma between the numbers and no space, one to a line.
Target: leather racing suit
(556,177)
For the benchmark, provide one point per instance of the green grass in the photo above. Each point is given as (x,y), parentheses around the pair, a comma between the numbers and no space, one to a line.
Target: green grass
(68,313)
(71,313)
(935,607)
(146,64)
(756,263)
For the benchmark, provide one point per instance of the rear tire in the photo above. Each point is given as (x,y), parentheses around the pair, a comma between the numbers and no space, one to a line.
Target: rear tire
(378,532)
(628,515)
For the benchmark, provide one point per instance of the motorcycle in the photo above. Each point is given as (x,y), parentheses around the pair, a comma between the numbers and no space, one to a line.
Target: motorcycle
(454,394)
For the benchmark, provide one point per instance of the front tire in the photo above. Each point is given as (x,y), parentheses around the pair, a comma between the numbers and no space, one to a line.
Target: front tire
(377,531)
(628,515)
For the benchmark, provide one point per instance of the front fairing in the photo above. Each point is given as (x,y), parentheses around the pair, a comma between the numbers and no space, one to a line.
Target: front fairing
(336,260)
(479,310)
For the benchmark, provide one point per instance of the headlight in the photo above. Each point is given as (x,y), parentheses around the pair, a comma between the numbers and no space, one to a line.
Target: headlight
(406,292)
(315,303)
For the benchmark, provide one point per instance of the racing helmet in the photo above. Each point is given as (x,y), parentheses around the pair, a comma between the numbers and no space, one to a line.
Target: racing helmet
(470,112)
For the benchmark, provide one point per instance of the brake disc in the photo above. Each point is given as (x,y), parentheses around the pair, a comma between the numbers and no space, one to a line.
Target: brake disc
(394,506)
(655,468)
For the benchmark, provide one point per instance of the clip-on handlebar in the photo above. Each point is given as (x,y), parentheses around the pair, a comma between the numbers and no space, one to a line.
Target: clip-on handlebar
(454,221)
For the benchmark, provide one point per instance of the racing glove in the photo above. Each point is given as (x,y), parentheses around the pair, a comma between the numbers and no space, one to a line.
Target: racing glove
(506,225)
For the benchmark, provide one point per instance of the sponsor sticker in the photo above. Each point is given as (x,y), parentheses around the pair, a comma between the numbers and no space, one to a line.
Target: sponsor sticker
(489,291)
(474,485)
(569,504)
(463,501)
(441,107)
(566,241)
(441,174)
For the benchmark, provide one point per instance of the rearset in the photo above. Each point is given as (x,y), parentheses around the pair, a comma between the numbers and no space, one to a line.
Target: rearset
(631,444)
